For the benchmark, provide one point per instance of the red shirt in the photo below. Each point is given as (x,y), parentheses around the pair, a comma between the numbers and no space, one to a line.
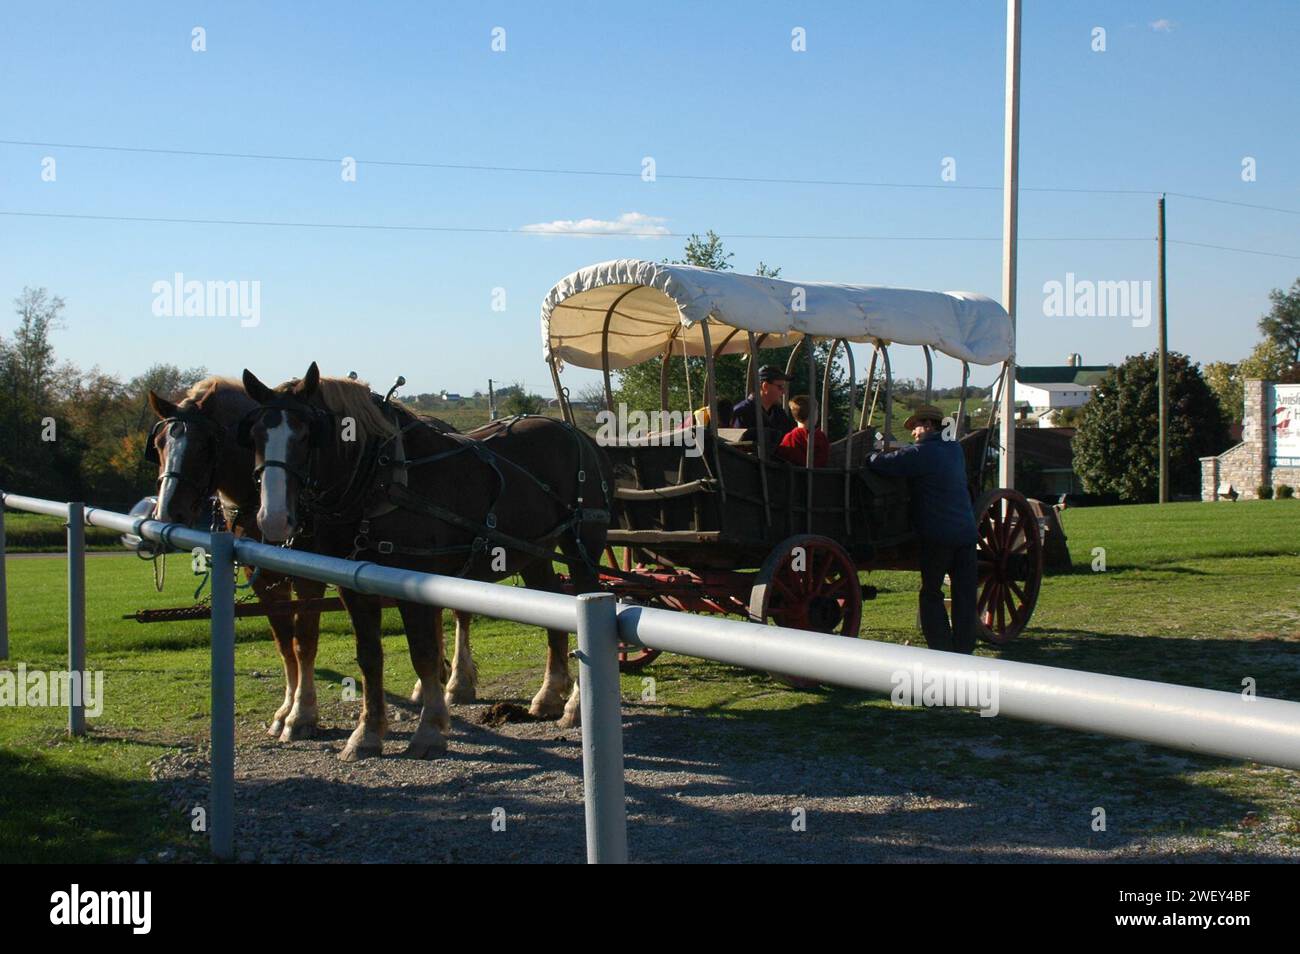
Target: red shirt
(794,448)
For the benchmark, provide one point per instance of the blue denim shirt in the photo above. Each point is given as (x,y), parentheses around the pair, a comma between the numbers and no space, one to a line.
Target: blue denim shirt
(936,474)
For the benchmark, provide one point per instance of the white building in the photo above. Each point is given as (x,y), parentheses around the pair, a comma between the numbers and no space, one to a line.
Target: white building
(1052,396)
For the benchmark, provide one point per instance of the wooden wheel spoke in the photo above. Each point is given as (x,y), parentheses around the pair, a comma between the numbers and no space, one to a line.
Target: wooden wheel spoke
(786,594)
(986,596)
(1020,594)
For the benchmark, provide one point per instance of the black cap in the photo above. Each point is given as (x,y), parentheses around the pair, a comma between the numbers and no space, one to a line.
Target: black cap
(770,372)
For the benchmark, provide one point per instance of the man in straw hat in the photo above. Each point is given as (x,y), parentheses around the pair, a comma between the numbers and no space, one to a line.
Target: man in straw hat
(941,513)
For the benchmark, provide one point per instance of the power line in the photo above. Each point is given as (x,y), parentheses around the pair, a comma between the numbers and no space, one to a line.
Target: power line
(466,229)
(172,220)
(1244,205)
(544,170)
(540,170)
(1229,248)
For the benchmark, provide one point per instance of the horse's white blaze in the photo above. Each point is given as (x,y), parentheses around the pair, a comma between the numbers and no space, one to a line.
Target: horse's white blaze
(173,454)
(273,514)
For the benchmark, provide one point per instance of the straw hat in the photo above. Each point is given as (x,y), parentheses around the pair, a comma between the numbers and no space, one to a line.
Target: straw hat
(926,412)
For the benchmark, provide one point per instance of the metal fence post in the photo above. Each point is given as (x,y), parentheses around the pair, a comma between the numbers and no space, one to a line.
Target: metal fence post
(602,729)
(76,618)
(221,823)
(4,606)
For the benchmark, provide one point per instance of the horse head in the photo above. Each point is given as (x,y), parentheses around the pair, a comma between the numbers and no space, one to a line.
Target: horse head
(287,434)
(188,445)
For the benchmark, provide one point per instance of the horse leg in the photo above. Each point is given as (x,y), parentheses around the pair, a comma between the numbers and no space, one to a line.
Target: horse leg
(463,685)
(585,580)
(424,640)
(368,738)
(282,630)
(301,721)
(417,691)
(549,701)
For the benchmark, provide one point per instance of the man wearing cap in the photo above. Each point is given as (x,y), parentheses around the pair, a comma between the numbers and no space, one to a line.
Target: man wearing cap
(777,421)
(935,469)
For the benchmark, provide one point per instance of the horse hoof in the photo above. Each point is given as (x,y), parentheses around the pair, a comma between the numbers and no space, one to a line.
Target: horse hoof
(417,694)
(430,747)
(276,728)
(297,731)
(355,753)
(460,694)
(547,705)
(570,720)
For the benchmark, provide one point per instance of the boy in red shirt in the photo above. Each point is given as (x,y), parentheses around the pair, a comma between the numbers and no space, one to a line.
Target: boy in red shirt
(794,446)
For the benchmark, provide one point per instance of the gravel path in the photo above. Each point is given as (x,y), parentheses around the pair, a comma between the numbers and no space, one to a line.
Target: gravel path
(699,789)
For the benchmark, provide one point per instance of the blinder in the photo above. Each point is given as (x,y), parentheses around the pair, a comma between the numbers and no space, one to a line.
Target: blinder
(190,417)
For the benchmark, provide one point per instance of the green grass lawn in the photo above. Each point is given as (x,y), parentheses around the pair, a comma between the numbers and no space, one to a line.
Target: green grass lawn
(1198,594)
(38,533)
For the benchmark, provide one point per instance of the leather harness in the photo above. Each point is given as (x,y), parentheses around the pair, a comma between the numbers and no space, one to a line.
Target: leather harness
(379,486)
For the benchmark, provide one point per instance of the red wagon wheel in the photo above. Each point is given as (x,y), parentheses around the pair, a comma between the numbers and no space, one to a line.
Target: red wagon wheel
(631,658)
(808,582)
(1010,564)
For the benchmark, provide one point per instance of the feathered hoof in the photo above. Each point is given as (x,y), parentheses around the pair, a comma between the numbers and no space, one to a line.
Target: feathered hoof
(296,731)
(362,745)
(460,693)
(429,745)
(547,706)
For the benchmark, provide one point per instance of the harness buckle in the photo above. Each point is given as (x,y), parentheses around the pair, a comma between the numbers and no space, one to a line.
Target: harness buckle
(384,546)
(491,521)
(582,476)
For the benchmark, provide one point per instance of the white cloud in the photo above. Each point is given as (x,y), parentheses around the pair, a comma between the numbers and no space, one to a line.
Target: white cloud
(629,223)
(1162,25)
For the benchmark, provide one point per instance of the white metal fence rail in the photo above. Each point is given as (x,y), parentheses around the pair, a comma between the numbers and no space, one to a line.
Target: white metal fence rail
(1204,721)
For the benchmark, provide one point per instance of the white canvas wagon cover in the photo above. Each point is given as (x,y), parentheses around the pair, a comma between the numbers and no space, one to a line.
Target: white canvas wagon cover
(647,304)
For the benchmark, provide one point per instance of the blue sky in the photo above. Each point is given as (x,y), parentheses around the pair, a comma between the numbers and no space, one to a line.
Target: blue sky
(883,93)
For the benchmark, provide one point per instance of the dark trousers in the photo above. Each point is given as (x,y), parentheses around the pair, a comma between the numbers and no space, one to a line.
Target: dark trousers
(960,564)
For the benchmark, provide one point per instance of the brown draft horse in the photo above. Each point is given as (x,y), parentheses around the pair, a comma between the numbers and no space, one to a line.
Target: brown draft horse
(194,444)
(372,482)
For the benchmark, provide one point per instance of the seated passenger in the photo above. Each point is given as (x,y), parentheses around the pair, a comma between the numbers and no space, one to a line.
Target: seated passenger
(777,423)
(794,446)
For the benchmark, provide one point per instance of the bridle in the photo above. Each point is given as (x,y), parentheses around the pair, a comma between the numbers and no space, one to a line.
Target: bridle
(319,423)
(188,417)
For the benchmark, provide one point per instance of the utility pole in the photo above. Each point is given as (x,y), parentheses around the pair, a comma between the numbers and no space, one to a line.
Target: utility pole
(1010,212)
(492,403)
(1164,355)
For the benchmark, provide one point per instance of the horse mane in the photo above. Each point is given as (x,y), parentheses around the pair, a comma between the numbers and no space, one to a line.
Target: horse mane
(212,383)
(345,397)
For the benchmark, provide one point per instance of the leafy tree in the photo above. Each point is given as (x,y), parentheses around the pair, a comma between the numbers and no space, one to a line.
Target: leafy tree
(519,401)
(1269,361)
(1224,379)
(1282,324)
(1116,449)
(707,252)
(32,353)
